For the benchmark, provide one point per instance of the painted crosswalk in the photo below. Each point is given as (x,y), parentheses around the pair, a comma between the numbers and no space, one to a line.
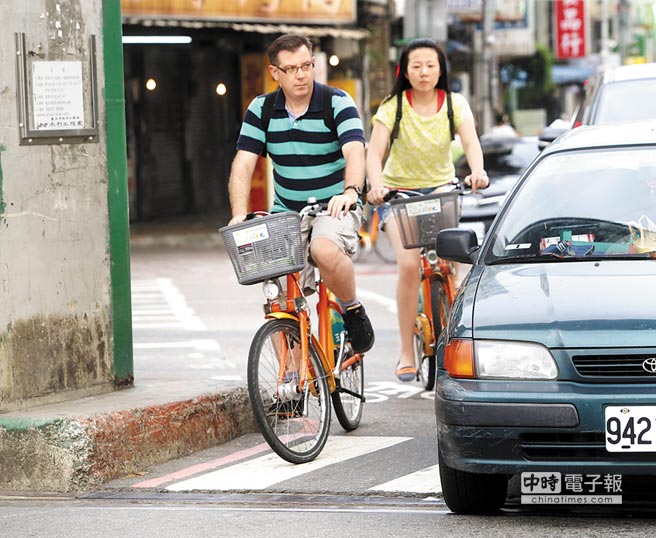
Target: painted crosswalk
(158,304)
(158,307)
(257,468)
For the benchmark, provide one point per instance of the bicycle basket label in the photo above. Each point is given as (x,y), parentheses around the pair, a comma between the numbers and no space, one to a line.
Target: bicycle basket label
(424,207)
(250,235)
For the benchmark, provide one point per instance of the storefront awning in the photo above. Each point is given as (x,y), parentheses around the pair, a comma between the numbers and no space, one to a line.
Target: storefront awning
(570,74)
(316,31)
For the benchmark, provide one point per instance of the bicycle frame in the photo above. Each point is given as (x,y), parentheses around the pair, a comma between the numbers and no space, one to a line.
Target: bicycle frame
(296,307)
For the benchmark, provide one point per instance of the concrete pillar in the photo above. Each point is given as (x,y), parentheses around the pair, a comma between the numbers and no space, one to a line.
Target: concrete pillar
(57,289)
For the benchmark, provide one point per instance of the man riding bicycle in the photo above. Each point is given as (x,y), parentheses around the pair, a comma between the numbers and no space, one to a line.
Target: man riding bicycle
(310,159)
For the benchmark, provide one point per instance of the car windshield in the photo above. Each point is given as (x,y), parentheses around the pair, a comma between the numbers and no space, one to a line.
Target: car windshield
(622,102)
(583,204)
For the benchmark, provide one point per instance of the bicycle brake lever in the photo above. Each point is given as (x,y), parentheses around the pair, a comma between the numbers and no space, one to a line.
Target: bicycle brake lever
(390,194)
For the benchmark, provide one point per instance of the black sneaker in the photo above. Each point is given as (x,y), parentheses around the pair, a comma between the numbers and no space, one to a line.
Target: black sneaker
(359,328)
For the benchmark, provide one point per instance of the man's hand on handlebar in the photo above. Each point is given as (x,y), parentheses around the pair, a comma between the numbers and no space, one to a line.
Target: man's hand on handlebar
(340,205)
(237,219)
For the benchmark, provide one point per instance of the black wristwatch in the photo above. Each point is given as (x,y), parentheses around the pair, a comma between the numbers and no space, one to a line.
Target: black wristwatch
(357,189)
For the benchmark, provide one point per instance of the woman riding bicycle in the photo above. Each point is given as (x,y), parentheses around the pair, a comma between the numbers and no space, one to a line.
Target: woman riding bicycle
(419,160)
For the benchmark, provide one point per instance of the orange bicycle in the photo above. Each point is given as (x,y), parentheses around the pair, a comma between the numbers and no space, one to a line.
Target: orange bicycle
(292,373)
(420,218)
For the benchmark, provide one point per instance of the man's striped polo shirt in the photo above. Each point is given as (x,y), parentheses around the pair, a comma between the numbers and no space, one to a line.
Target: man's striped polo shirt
(307,159)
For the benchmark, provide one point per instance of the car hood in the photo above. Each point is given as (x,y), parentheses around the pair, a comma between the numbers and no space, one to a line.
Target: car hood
(569,304)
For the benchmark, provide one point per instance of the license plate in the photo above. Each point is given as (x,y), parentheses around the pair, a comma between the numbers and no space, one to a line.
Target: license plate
(631,428)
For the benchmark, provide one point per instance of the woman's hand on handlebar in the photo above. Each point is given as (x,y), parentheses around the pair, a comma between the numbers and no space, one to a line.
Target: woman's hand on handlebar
(376,196)
(477,180)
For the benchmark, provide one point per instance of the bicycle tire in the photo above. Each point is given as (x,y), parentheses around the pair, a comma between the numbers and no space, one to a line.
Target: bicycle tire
(348,408)
(296,429)
(380,241)
(424,363)
(440,306)
(384,248)
(440,309)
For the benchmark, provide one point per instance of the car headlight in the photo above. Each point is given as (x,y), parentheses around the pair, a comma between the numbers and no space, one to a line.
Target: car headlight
(513,360)
(496,359)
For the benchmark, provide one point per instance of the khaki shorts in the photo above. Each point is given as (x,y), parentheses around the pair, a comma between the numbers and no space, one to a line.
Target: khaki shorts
(343,232)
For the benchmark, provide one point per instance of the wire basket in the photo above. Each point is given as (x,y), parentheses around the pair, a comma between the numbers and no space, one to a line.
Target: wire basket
(265,247)
(420,218)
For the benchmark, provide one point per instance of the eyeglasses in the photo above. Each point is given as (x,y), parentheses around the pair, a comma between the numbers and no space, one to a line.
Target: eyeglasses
(294,68)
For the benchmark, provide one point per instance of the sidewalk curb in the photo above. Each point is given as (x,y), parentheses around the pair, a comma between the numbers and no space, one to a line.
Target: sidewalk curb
(79,453)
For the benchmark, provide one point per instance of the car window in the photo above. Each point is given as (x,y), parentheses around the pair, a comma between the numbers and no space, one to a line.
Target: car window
(579,204)
(628,101)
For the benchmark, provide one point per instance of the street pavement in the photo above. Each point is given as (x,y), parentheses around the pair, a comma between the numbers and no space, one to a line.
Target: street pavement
(80,443)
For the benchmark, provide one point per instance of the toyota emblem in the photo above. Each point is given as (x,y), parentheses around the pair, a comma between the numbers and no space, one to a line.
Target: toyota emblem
(649,365)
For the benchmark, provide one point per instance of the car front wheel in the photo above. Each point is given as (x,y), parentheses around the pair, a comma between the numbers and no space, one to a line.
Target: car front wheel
(471,493)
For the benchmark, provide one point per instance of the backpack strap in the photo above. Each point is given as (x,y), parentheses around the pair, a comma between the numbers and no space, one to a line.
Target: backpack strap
(397,120)
(267,111)
(328,110)
(449,111)
(399,113)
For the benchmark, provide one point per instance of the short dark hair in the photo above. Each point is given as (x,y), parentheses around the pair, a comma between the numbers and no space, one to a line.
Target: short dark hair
(402,83)
(288,42)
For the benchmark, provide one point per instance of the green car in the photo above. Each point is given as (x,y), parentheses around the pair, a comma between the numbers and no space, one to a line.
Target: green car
(547,367)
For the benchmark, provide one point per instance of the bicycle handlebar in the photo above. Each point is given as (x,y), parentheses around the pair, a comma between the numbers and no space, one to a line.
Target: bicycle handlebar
(455,184)
(313,209)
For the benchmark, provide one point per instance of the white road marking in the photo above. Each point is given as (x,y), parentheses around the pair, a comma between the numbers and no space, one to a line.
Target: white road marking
(424,481)
(179,306)
(265,471)
(199,345)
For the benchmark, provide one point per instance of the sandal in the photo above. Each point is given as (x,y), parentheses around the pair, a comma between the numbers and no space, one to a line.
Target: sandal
(406,373)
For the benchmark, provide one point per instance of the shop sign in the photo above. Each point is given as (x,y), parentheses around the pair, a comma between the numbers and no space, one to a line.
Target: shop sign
(298,11)
(570,29)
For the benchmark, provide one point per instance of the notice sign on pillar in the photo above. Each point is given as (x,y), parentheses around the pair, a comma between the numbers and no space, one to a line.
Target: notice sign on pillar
(570,26)
(57,100)
(57,91)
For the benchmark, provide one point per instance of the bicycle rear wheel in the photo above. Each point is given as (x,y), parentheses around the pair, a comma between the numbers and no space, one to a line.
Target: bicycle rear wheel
(348,407)
(294,425)
(384,248)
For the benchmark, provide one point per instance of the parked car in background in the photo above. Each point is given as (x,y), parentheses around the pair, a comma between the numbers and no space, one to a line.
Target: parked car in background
(548,361)
(505,159)
(620,94)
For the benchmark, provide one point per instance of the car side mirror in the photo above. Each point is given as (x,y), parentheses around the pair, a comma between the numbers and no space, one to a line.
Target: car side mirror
(457,245)
(549,134)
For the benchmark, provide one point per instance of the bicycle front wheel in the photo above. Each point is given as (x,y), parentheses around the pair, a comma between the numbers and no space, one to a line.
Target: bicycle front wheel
(440,306)
(348,397)
(295,425)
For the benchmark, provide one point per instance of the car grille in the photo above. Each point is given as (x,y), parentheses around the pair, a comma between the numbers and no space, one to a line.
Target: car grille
(613,366)
(574,446)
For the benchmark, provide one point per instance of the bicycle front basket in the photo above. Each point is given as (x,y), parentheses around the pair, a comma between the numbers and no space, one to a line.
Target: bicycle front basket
(420,218)
(265,247)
